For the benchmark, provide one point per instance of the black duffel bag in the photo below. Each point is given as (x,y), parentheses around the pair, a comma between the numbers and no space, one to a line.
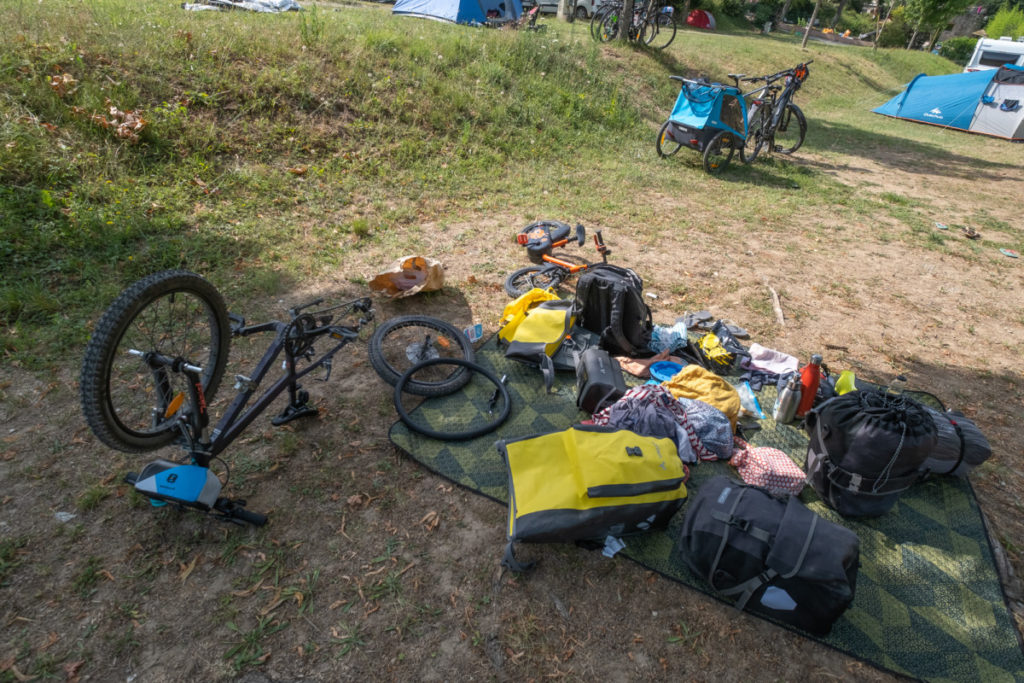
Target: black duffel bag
(773,557)
(866,448)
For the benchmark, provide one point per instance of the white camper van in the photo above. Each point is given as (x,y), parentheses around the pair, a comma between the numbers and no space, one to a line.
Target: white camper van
(990,53)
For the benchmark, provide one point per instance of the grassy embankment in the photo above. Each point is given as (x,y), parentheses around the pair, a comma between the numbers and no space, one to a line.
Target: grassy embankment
(276,147)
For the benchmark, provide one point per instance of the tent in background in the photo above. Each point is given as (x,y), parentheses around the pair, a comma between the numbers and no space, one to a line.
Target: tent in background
(459,11)
(986,102)
(700,18)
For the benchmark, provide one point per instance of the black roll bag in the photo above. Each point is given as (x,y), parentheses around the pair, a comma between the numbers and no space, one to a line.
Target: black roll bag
(866,448)
(771,556)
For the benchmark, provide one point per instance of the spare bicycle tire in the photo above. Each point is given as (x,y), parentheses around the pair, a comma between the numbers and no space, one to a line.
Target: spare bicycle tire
(470,368)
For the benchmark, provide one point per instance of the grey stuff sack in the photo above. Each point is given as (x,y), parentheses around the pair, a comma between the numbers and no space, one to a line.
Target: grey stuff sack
(960,446)
(773,557)
(866,448)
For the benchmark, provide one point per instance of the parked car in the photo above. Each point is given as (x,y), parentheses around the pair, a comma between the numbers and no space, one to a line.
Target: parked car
(990,53)
(584,8)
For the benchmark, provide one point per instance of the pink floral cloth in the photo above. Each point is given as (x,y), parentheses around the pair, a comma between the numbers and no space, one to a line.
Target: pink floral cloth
(767,467)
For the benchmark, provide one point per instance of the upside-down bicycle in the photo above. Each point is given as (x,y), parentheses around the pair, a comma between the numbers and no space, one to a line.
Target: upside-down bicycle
(540,238)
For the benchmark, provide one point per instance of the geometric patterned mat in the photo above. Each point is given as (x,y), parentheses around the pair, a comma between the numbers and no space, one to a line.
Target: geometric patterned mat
(928,600)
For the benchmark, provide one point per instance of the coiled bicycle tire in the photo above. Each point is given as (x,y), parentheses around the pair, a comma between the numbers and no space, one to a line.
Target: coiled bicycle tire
(483,425)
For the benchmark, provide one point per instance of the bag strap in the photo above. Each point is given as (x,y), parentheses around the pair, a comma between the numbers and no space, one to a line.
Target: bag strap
(509,560)
(963,443)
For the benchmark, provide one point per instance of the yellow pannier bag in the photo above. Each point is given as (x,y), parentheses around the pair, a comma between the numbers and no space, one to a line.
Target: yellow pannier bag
(587,483)
(535,335)
(515,311)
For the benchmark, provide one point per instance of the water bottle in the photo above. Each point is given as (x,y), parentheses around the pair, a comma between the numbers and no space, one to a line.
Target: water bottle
(897,385)
(786,403)
(810,377)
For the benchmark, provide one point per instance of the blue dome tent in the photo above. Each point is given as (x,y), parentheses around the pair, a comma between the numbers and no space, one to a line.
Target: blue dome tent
(987,102)
(459,11)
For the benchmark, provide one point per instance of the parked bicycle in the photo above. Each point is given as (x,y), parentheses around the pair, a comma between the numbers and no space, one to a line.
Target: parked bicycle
(774,122)
(653,23)
(540,238)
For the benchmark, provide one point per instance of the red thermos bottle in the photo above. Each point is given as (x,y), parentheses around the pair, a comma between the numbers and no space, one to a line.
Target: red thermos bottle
(810,376)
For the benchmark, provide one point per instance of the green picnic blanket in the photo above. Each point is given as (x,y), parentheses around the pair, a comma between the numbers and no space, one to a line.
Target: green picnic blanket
(928,602)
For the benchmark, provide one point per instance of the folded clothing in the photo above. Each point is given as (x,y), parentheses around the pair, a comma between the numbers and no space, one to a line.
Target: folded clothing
(770,360)
(694,381)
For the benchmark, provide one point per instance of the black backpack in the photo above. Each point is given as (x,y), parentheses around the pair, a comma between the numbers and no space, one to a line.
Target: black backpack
(610,302)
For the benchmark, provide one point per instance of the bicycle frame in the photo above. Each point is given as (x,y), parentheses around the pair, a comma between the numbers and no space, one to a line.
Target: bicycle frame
(238,416)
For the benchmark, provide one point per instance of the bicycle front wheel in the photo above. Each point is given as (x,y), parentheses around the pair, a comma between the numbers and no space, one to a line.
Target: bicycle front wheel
(792,128)
(719,152)
(659,31)
(175,313)
(609,27)
(521,281)
(597,20)
(400,343)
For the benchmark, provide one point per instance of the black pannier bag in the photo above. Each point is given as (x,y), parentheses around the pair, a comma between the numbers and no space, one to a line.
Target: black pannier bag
(599,380)
(610,302)
(960,446)
(774,557)
(866,448)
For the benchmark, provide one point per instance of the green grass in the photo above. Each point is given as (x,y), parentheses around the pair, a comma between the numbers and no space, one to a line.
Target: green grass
(280,148)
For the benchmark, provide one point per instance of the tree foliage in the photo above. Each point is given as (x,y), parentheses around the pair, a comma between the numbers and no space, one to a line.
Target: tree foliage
(1008,21)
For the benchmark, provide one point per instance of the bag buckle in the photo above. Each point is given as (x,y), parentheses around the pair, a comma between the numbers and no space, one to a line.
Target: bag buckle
(739,523)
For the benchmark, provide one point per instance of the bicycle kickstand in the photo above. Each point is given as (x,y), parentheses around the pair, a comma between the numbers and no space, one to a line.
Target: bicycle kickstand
(298,406)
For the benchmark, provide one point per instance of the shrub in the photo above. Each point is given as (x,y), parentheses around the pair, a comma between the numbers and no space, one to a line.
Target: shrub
(732,8)
(897,32)
(1007,22)
(856,22)
(765,11)
(958,49)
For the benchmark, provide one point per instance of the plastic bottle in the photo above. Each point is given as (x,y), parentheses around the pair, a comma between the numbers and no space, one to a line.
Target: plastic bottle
(810,377)
(786,403)
(897,385)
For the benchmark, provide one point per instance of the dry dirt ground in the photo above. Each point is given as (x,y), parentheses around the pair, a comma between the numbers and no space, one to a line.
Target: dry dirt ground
(372,567)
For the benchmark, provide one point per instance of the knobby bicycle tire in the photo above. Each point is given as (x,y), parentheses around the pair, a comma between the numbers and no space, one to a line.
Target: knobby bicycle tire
(792,116)
(521,281)
(175,313)
(400,343)
(475,415)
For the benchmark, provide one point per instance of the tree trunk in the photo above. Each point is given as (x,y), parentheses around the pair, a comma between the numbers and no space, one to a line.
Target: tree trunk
(934,38)
(810,24)
(839,14)
(913,36)
(563,10)
(881,27)
(781,16)
(626,21)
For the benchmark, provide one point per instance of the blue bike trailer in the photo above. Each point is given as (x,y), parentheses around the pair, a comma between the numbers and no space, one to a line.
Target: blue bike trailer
(704,109)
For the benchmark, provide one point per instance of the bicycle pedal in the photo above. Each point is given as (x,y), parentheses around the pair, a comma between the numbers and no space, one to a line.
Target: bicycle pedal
(294,413)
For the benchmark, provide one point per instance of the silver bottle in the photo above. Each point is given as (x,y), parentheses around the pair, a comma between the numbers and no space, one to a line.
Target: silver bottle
(788,400)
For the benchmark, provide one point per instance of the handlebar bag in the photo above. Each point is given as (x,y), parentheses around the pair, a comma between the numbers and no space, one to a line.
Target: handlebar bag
(771,556)
(866,448)
(586,483)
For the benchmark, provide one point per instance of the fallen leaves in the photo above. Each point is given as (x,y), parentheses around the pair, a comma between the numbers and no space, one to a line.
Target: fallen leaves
(126,125)
(63,84)
(431,520)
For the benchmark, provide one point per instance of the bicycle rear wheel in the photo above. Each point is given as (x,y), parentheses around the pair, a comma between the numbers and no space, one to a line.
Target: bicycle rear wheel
(175,313)
(789,135)
(598,19)
(718,152)
(659,31)
(400,343)
(521,281)
(481,406)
